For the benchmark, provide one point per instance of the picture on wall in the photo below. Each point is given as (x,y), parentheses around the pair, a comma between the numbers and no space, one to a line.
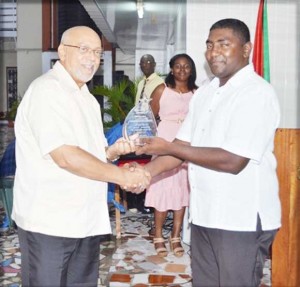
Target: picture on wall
(12,87)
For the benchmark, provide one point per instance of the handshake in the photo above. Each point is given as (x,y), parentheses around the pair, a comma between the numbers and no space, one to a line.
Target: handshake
(137,177)
(134,177)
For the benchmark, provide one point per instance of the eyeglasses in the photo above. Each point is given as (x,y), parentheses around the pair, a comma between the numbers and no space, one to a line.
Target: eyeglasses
(84,50)
(146,63)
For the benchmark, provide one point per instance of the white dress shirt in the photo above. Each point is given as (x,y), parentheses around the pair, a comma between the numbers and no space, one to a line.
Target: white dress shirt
(240,117)
(47,198)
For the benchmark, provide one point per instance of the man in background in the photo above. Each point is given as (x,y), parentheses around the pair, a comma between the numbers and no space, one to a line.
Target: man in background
(145,88)
(150,80)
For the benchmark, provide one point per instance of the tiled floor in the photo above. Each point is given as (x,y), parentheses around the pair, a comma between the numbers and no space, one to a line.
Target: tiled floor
(133,254)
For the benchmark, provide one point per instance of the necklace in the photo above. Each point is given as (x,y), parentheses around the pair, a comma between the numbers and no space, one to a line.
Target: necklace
(180,92)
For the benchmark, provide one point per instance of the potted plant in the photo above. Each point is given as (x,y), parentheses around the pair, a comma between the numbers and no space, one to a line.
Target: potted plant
(119,101)
(12,112)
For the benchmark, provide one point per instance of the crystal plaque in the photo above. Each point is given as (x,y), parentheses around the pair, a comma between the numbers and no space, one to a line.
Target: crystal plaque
(140,120)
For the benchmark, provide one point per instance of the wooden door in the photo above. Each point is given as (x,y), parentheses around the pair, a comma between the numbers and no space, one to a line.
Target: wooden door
(286,247)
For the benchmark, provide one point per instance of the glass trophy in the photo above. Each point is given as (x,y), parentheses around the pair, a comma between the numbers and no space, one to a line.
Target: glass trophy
(140,120)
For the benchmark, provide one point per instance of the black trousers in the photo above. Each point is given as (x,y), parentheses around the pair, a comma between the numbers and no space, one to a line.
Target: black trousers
(229,258)
(52,261)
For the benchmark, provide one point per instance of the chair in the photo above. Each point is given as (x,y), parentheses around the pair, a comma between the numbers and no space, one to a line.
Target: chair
(7,173)
(8,161)
(6,196)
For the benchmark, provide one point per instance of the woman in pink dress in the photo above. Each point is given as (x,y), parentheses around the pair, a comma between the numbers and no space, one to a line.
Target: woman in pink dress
(170,190)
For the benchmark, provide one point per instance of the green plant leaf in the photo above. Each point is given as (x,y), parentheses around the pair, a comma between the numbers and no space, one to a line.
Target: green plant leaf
(119,100)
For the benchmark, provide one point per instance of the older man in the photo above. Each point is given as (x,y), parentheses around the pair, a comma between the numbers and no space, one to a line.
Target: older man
(60,190)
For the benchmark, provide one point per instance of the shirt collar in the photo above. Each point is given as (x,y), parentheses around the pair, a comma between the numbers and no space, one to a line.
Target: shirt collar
(241,76)
(237,79)
(66,79)
(151,77)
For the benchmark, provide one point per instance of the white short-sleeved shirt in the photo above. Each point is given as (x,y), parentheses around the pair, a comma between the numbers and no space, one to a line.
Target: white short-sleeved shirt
(240,117)
(47,198)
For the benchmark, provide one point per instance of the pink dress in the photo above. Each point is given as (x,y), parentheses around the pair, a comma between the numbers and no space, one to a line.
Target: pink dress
(170,190)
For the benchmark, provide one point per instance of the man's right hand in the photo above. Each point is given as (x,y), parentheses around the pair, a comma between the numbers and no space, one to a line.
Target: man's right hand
(136,179)
(153,146)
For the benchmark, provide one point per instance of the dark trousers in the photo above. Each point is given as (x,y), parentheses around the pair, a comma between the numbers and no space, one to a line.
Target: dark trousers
(58,261)
(229,258)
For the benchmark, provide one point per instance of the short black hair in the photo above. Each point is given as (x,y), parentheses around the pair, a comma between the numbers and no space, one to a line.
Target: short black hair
(191,81)
(238,27)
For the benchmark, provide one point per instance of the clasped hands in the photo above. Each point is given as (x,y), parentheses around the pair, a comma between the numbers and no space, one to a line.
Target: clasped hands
(149,146)
(138,178)
(135,177)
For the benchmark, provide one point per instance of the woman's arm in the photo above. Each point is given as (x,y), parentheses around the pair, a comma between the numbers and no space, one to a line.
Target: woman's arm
(155,97)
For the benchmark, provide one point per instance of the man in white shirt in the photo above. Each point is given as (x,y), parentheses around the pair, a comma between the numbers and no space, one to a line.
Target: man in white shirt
(150,80)
(227,138)
(60,189)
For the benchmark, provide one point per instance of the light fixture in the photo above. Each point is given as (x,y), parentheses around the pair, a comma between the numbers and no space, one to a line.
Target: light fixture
(140,8)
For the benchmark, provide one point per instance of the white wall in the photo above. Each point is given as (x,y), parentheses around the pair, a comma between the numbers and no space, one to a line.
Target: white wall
(125,63)
(29,43)
(283,40)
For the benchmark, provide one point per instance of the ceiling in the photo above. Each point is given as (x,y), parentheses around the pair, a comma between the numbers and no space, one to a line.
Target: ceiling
(120,24)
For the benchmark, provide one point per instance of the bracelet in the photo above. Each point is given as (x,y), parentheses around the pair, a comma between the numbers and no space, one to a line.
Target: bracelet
(108,157)
(115,159)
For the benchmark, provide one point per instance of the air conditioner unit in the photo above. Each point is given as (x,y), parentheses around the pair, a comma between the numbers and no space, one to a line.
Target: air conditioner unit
(8,24)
